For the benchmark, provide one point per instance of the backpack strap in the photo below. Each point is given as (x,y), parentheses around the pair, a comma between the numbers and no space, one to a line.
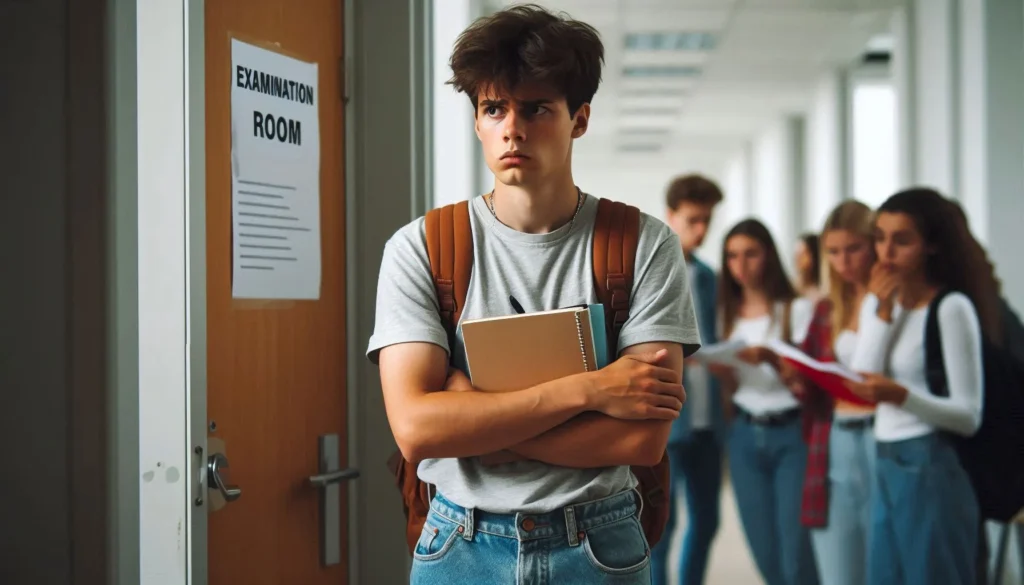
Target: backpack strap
(616,235)
(450,248)
(934,363)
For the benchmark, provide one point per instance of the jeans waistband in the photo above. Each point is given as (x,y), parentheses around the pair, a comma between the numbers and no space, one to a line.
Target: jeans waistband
(769,419)
(855,423)
(570,521)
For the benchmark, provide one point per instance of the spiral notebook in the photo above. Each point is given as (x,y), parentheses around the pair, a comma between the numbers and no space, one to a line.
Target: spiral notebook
(515,352)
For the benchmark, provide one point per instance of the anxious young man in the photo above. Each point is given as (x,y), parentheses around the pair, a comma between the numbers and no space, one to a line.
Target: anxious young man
(532,486)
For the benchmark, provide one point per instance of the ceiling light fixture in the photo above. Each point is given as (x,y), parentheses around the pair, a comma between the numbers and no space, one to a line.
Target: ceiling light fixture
(670,41)
(648,111)
(661,71)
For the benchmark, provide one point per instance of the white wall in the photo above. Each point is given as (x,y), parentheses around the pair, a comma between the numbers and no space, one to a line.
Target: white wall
(454,140)
(774,185)
(643,185)
(824,131)
(936,131)
(738,189)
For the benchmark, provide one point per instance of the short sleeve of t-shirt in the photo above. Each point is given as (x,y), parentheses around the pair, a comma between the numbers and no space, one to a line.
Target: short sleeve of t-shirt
(662,308)
(407,306)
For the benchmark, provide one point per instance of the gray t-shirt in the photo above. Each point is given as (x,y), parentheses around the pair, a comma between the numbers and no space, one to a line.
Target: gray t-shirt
(542,271)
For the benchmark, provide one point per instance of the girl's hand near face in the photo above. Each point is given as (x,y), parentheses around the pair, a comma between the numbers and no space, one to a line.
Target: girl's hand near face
(884,284)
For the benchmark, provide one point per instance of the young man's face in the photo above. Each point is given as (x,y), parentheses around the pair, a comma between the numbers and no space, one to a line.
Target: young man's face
(690,221)
(527,137)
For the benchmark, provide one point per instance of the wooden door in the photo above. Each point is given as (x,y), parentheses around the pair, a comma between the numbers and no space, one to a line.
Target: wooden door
(276,369)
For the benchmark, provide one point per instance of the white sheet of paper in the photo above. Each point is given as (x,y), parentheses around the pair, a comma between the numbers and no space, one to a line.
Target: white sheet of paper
(721,353)
(788,351)
(275,175)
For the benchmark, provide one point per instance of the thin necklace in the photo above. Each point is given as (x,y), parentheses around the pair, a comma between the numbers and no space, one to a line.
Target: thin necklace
(489,201)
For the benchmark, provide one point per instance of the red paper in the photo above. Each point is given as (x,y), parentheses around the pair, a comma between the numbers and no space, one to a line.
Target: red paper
(834,384)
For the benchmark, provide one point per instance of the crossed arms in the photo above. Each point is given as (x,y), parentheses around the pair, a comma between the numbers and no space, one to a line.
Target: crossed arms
(620,415)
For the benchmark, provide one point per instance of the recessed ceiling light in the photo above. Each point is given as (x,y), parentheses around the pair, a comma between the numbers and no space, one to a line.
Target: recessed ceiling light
(670,41)
(661,71)
(644,131)
(643,147)
(652,92)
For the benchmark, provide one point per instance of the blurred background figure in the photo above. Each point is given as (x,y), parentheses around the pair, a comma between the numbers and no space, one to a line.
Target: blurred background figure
(808,266)
(695,445)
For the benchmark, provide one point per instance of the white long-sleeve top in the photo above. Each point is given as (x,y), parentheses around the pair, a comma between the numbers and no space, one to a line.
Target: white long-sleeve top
(896,350)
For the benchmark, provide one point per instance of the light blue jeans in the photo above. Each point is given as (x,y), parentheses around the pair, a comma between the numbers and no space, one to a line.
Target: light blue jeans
(594,542)
(924,516)
(841,548)
(767,462)
(697,467)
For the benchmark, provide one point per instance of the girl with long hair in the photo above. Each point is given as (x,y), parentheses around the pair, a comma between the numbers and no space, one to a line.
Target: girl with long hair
(808,266)
(767,454)
(841,447)
(925,518)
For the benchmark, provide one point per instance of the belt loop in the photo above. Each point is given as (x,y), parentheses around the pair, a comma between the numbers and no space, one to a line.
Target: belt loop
(640,503)
(467,533)
(570,526)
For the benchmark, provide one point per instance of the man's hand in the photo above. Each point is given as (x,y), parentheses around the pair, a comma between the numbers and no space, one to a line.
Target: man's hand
(884,284)
(638,386)
(876,388)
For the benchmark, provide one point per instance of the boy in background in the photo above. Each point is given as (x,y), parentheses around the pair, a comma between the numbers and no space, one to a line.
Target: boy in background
(695,443)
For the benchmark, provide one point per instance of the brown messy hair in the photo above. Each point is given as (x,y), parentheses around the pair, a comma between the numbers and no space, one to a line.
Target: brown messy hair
(528,44)
(693,189)
(774,281)
(956,260)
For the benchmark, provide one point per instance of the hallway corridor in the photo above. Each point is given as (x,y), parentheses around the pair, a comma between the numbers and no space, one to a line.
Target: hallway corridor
(731,563)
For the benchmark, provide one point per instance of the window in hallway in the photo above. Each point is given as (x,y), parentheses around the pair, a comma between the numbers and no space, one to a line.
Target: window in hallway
(873,136)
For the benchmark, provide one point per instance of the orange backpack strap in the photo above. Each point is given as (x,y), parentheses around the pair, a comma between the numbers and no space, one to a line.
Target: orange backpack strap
(616,235)
(450,248)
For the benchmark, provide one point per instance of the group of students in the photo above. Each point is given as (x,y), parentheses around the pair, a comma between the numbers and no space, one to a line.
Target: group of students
(832,491)
(536,486)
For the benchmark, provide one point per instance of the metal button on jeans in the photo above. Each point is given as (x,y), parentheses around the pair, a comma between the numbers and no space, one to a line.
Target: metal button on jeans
(529,524)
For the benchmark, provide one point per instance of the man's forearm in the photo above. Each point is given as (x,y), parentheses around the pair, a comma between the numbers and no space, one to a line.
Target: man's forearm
(594,440)
(486,422)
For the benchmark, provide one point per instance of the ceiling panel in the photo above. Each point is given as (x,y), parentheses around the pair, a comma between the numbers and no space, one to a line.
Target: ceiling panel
(764,59)
(676,17)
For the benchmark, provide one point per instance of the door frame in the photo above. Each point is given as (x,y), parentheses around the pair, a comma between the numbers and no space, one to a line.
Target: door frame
(387,154)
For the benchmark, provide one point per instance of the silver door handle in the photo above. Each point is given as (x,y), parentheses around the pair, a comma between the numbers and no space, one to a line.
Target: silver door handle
(326,479)
(214,465)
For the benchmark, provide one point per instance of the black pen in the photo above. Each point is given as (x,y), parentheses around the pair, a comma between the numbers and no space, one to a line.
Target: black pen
(515,305)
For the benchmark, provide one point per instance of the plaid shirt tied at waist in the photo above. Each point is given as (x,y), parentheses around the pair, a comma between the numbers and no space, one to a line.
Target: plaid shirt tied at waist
(817,422)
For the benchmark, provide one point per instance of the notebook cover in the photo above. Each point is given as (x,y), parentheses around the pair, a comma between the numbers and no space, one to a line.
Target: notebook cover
(600,335)
(520,351)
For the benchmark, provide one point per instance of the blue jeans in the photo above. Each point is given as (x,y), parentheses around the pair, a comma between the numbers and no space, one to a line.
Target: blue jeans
(841,548)
(697,467)
(593,542)
(767,462)
(924,517)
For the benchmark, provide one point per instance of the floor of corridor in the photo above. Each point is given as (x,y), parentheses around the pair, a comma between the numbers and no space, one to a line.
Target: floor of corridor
(731,563)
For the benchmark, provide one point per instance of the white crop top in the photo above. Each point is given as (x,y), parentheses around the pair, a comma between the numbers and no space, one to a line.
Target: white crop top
(759,390)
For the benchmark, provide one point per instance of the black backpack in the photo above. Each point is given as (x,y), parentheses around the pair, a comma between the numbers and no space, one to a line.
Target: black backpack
(994,456)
